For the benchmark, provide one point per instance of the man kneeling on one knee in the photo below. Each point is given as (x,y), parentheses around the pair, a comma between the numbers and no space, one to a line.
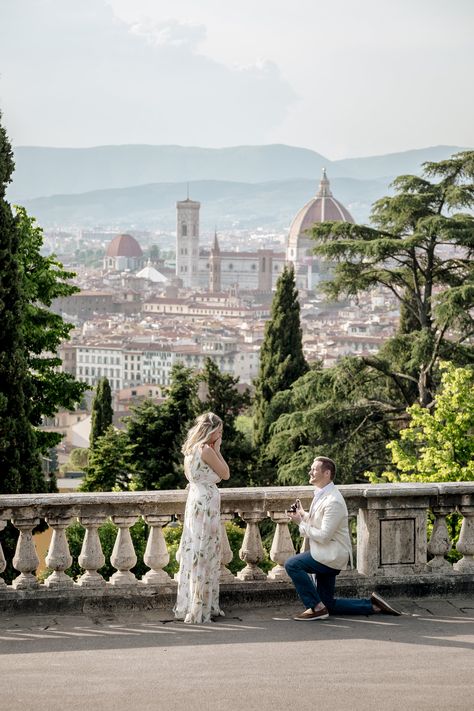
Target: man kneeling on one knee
(326,526)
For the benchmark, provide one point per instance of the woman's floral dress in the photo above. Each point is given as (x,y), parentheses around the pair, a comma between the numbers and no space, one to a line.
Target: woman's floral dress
(199,552)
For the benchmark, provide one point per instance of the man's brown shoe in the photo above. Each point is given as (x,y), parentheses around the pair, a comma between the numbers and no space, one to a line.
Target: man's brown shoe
(383,605)
(322,614)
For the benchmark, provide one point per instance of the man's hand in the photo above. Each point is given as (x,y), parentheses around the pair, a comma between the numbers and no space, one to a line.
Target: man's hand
(296,516)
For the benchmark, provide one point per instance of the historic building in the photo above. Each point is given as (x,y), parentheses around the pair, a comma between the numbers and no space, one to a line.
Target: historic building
(215,270)
(122,253)
(187,242)
(309,270)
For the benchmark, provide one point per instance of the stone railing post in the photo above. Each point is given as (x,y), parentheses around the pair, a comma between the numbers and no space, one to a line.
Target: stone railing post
(123,555)
(252,551)
(465,544)
(156,554)
(91,557)
(225,576)
(3,562)
(26,559)
(391,530)
(282,546)
(439,544)
(59,558)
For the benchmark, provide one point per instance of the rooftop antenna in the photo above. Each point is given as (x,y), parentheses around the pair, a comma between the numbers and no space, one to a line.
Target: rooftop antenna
(187,191)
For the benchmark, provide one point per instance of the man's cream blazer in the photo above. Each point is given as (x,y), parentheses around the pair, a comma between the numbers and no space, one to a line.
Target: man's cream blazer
(327,529)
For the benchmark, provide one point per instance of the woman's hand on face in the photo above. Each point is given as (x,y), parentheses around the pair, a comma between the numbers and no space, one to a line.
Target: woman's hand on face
(217,444)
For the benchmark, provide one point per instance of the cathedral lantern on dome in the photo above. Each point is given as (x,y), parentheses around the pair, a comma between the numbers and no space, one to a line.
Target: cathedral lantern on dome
(323,207)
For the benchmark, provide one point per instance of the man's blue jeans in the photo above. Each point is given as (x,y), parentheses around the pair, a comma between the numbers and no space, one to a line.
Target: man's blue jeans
(300,567)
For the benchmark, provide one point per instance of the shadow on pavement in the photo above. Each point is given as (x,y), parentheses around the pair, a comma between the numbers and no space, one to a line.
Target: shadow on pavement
(425,624)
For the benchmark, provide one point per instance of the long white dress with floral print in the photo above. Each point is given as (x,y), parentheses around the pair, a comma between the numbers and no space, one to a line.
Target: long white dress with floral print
(199,552)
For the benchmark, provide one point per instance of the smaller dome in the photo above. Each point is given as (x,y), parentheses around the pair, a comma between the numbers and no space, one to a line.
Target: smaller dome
(124,246)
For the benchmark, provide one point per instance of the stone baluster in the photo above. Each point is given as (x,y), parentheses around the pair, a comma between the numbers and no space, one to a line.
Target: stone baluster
(25,559)
(91,557)
(226,551)
(59,558)
(123,555)
(439,544)
(282,546)
(465,544)
(252,549)
(3,562)
(156,553)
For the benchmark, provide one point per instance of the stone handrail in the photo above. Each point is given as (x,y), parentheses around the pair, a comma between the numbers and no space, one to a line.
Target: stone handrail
(389,523)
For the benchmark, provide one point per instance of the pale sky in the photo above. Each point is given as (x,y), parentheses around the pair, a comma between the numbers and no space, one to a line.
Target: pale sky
(342,77)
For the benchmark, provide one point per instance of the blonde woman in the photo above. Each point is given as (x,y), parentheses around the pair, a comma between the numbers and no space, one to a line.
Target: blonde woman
(199,553)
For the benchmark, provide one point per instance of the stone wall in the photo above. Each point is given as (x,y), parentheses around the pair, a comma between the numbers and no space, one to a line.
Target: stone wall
(392,550)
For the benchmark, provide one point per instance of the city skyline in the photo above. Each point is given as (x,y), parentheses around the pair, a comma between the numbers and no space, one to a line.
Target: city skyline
(340,79)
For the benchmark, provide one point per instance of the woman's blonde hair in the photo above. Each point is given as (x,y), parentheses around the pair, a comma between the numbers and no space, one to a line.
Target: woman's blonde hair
(200,432)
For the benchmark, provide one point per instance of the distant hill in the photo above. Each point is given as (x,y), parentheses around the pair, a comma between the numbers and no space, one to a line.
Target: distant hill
(226,204)
(51,171)
(392,164)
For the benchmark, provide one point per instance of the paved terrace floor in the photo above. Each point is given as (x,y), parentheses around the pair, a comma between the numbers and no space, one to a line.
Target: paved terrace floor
(253,659)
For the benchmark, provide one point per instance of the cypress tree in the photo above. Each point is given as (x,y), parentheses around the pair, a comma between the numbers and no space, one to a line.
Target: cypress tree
(20,467)
(225,400)
(102,412)
(281,356)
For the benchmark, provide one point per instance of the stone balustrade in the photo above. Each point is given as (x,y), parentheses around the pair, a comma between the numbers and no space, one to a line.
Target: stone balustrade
(389,524)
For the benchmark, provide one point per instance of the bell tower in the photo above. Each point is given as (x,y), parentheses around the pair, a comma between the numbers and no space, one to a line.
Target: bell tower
(215,267)
(187,242)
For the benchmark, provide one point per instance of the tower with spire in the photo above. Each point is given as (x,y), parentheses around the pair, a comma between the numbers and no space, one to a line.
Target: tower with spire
(187,241)
(215,267)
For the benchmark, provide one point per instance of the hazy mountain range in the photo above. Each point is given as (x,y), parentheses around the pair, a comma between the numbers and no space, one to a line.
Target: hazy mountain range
(246,186)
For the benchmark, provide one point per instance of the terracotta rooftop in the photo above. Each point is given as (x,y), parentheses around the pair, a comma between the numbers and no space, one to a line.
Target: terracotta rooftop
(124,246)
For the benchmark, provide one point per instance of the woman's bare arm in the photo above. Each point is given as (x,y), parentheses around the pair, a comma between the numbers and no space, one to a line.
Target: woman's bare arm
(214,459)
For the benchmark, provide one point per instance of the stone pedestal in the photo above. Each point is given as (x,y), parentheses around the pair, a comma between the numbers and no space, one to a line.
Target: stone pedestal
(440,544)
(91,557)
(282,546)
(465,544)
(26,559)
(252,550)
(59,558)
(123,555)
(156,553)
(391,533)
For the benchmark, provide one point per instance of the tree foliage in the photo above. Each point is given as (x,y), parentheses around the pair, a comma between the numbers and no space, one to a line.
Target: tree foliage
(147,454)
(43,280)
(438,445)
(20,468)
(420,248)
(102,412)
(225,400)
(281,355)
(330,412)
(109,466)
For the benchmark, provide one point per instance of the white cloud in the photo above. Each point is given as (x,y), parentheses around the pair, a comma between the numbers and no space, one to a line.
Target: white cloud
(89,78)
(171,32)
